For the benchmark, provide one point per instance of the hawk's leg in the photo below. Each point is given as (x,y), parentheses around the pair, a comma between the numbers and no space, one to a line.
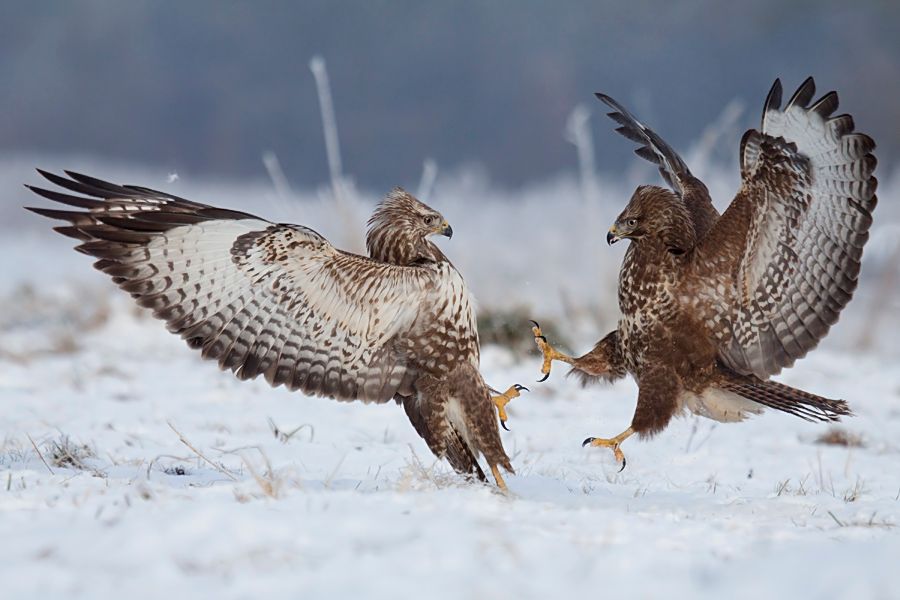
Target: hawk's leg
(495,470)
(550,353)
(613,443)
(603,362)
(657,403)
(501,400)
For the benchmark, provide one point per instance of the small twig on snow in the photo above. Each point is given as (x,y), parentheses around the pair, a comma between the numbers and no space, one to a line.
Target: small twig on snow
(185,441)
(41,456)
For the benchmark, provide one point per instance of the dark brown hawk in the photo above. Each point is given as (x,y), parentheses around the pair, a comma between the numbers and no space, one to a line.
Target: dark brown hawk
(280,301)
(712,306)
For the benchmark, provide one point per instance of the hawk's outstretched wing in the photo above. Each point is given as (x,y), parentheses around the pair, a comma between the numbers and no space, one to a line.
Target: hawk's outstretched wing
(672,168)
(259,297)
(788,248)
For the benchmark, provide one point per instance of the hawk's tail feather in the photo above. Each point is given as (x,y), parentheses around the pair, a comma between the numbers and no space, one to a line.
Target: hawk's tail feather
(452,447)
(461,458)
(785,398)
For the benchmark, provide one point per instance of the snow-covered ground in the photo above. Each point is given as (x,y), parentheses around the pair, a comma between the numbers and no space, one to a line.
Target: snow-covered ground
(131,468)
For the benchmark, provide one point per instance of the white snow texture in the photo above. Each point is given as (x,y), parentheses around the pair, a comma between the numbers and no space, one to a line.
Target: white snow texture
(100,498)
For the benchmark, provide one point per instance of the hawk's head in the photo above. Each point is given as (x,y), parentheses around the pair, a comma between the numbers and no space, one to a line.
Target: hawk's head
(399,227)
(654,212)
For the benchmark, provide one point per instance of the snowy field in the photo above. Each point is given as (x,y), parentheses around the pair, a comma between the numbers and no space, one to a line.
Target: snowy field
(129,467)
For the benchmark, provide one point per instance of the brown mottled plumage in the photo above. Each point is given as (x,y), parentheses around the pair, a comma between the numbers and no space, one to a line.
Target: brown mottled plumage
(712,306)
(279,300)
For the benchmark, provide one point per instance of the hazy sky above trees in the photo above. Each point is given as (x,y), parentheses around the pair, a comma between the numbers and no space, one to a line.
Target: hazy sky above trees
(206,87)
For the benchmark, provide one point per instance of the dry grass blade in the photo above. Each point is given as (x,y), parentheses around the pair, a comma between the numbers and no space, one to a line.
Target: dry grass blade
(865,523)
(268,482)
(285,436)
(836,520)
(416,473)
(41,456)
(202,456)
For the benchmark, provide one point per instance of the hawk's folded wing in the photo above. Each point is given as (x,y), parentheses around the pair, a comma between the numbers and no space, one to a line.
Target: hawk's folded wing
(787,251)
(259,297)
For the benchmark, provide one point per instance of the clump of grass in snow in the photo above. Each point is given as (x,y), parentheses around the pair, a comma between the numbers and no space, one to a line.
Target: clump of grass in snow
(269,481)
(511,329)
(785,487)
(53,319)
(12,451)
(417,476)
(853,493)
(837,436)
(66,454)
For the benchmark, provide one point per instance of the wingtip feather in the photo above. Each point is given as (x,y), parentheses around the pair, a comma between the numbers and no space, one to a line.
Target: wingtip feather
(803,95)
(773,100)
(826,105)
(604,98)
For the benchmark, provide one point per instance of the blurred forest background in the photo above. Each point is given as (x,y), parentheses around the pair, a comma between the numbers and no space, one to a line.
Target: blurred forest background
(206,87)
(476,107)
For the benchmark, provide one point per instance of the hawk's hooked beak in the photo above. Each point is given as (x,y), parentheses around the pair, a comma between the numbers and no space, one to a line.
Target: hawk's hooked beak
(445,229)
(612,236)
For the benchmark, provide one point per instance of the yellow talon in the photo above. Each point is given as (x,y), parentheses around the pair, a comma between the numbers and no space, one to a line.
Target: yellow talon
(613,443)
(549,352)
(503,399)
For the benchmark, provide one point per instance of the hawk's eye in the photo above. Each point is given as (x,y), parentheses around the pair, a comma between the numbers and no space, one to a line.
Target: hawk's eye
(429,220)
(631,222)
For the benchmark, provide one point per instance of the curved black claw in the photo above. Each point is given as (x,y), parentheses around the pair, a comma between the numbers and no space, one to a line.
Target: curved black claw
(538,337)
(543,338)
(503,425)
(519,388)
(590,439)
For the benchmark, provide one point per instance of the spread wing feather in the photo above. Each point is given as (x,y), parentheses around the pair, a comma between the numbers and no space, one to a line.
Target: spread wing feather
(258,297)
(653,148)
(671,166)
(787,251)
